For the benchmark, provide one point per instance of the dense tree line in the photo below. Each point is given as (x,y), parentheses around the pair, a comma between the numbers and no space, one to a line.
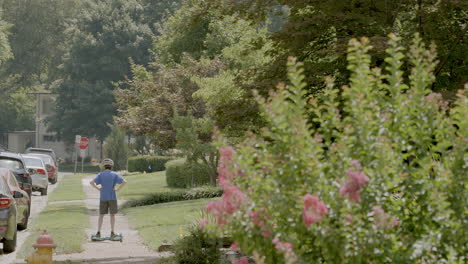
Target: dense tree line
(138,62)
(226,50)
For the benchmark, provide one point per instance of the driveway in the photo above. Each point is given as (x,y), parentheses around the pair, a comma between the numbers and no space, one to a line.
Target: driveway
(38,204)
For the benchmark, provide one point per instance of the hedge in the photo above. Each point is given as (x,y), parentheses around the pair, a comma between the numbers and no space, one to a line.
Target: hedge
(87,168)
(176,195)
(180,174)
(147,163)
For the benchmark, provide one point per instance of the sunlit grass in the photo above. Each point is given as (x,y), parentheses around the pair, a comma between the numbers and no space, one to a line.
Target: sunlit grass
(68,189)
(65,223)
(140,184)
(164,222)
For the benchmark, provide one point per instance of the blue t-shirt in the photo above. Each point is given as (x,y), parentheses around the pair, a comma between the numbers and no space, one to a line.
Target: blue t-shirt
(108,179)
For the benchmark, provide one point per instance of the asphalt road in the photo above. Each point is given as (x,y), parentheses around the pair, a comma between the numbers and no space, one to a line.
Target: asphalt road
(38,204)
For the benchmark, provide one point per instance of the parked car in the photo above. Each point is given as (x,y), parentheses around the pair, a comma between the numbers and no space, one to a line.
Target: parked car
(21,197)
(51,166)
(38,172)
(15,163)
(49,152)
(8,216)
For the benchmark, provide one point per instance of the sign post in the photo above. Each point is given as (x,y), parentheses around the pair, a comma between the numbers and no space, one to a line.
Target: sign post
(77,142)
(84,142)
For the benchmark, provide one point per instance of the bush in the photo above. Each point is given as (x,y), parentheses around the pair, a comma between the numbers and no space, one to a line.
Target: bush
(182,174)
(379,176)
(148,163)
(176,195)
(198,247)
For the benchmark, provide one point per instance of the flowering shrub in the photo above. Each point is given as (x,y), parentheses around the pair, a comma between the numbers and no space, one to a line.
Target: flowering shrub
(380,179)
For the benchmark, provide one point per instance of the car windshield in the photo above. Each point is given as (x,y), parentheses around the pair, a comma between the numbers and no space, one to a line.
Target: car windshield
(47,160)
(11,164)
(32,162)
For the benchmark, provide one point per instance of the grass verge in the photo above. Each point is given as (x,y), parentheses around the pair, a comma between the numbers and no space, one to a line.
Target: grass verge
(142,184)
(163,222)
(69,189)
(65,222)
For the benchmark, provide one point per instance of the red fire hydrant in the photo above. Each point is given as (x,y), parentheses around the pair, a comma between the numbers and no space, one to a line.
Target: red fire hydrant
(44,247)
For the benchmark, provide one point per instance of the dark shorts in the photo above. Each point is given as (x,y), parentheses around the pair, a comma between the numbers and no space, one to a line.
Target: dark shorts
(109,206)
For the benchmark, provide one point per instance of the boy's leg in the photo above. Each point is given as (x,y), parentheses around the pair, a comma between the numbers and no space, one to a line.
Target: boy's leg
(112,222)
(113,210)
(103,209)
(101,216)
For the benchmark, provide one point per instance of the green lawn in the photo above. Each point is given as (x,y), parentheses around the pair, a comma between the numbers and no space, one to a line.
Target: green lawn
(69,189)
(163,222)
(140,184)
(65,222)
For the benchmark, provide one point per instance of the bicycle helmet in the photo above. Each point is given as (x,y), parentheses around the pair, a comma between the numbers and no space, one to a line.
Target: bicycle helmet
(108,163)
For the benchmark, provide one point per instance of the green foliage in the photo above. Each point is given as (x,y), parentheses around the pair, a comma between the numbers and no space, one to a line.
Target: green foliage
(183,174)
(148,163)
(117,148)
(189,136)
(381,179)
(200,246)
(107,36)
(176,195)
(5,49)
(146,107)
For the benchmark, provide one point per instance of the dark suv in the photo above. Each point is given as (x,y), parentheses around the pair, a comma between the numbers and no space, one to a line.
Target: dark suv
(15,163)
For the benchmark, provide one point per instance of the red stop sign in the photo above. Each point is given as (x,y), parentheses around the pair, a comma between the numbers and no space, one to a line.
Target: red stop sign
(84,143)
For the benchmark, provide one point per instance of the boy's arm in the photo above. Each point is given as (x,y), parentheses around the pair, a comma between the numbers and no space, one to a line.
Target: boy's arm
(94,185)
(121,185)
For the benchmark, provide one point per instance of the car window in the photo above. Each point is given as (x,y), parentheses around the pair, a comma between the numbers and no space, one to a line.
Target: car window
(31,162)
(13,182)
(47,160)
(3,186)
(11,164)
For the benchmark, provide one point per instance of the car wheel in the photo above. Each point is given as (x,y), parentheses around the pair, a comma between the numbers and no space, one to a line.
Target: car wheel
(9,245)
(44,191)
(24,225)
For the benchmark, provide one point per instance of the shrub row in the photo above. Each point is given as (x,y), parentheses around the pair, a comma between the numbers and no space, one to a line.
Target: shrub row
(148,163)
(87,168)
(176,195)
(181,174)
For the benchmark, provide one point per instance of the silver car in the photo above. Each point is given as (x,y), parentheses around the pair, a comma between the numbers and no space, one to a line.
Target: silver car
(38,171)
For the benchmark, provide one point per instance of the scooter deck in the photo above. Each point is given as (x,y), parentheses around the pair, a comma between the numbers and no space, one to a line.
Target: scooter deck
(118,237)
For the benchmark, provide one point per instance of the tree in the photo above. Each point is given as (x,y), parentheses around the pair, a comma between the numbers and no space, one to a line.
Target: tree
(195,147)
(38,39)
(107,37)
(117,148)
(5,49)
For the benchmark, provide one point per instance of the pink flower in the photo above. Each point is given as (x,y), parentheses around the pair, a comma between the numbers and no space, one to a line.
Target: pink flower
(352,188)
(234,246)
(287,249)
(202,223)
(314,210)
(232,200)
(356,164)
(225,175)
(256,218)
(266,234)
(382,219)
(243,260)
